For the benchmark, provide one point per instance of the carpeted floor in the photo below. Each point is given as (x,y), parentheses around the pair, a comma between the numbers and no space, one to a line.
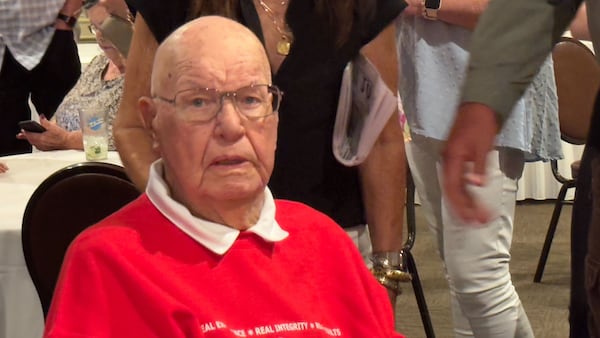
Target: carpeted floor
(546,303)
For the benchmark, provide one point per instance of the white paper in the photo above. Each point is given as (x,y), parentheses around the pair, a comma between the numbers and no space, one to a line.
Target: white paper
(365,105)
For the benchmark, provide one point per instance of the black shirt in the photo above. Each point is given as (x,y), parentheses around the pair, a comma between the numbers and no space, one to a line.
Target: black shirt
(310,76)
(594,132)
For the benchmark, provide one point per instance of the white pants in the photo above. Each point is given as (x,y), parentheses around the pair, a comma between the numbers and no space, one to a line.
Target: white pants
(360,236)
(476,256)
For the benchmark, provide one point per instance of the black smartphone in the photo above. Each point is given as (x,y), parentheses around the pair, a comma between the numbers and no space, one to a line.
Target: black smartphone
(31,126)
(118,31)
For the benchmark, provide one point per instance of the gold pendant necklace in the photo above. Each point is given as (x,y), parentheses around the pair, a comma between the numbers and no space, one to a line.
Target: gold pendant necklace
(285,42)
(283,46)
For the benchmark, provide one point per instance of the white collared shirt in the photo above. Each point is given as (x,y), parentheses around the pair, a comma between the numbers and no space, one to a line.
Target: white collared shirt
(214,236)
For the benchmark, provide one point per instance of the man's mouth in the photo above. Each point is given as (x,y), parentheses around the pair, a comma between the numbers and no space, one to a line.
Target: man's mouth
(229,161)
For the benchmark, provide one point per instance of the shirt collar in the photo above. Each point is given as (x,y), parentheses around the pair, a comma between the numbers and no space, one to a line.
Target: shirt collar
(216,237)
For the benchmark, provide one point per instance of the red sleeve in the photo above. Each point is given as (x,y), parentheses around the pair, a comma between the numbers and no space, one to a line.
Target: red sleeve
(93,297)
(104,291)
(377,296)
(79,305)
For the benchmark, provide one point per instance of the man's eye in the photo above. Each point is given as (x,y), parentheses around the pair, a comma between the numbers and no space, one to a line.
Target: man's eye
(199,102)
(249,100)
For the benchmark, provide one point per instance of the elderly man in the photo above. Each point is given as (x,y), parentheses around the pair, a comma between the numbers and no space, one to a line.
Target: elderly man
(206,251)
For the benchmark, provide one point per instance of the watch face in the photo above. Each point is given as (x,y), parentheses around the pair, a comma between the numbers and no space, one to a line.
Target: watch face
(69,20)
(432,4)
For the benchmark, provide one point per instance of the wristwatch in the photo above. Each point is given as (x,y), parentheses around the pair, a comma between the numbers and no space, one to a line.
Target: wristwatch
(69,20)
(431,8)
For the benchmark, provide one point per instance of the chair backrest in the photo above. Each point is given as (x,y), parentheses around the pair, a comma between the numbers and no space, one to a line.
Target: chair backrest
(577,81)
(66,203)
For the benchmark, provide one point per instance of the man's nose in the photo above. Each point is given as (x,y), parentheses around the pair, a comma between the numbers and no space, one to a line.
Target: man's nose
(229,120)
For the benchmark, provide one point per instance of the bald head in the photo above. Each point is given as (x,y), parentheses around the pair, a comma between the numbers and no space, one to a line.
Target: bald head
(227,160)
(210,39)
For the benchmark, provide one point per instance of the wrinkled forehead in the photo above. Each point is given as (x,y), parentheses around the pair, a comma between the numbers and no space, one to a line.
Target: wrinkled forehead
(218,71)
(210,61)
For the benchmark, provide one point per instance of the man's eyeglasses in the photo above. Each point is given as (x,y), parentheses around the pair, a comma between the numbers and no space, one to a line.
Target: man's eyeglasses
(93,29)
(203,104)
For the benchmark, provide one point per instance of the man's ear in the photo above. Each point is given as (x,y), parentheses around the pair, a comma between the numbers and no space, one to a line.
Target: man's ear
(147,109)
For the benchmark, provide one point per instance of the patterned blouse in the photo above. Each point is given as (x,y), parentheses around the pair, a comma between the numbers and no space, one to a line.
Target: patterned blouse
(91,90)
(433,56)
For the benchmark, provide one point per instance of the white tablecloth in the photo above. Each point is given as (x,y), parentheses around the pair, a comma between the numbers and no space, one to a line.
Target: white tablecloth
(20,310)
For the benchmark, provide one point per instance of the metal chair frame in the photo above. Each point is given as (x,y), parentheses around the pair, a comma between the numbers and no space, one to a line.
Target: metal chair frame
(411,265)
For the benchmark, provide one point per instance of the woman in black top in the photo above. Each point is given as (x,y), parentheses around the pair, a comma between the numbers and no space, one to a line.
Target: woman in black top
(308,44)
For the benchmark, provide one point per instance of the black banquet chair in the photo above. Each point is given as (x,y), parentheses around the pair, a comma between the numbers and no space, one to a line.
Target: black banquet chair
(411,265)
(577,81)
(67,202)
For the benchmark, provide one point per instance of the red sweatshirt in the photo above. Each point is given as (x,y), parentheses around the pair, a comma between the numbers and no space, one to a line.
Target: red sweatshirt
(135,274)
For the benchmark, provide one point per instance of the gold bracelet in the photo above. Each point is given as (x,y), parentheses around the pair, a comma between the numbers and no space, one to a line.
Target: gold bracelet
(388,269)
(395,275)
(390,284)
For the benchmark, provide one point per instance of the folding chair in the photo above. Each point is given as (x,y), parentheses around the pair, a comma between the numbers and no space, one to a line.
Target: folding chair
(411,266)
(577,81)
(66,203)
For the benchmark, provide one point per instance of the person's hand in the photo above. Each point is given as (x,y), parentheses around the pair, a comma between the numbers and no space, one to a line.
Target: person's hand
(415,7)
(3,168)
(53,138)
(464,157)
